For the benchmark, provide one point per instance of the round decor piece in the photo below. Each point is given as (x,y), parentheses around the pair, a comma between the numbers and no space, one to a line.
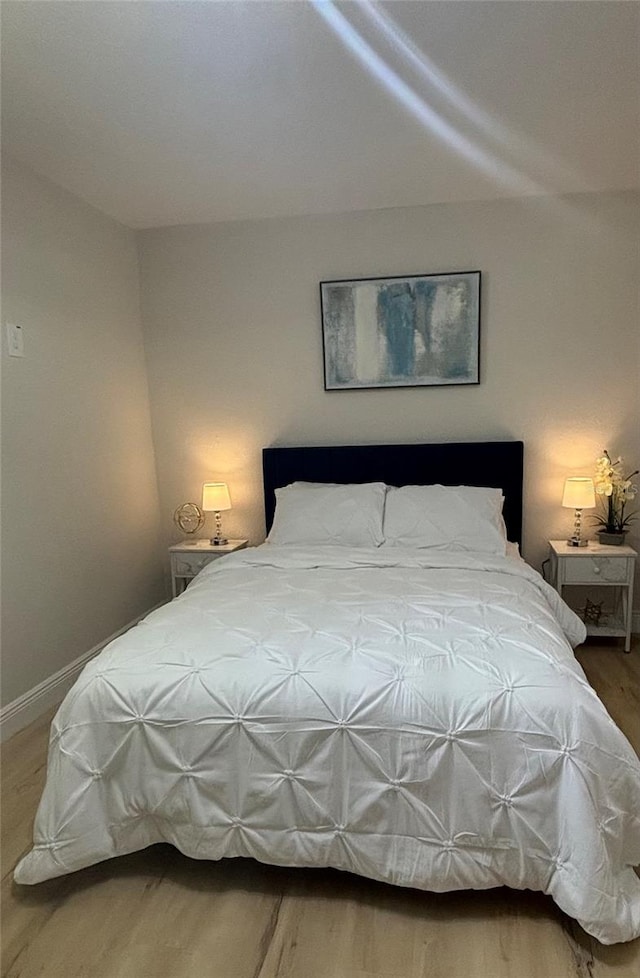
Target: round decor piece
(189,517)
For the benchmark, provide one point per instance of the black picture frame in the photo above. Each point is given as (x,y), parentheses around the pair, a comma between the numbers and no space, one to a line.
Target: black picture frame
(401,331)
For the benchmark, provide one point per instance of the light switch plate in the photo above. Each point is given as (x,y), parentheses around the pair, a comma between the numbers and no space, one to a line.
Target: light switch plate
(15,340)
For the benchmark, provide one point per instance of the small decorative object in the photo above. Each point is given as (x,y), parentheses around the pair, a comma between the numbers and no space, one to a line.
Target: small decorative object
(189,518)
(592,612)
(215,499)
(614,490)
(415,331)
(578,494)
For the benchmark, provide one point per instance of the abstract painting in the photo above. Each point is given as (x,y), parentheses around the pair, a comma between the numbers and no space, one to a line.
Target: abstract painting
(404,331)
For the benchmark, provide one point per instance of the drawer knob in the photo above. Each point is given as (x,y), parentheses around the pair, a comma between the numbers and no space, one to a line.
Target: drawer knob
(596,569)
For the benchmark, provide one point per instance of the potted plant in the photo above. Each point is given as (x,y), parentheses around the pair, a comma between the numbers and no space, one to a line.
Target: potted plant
(614,491)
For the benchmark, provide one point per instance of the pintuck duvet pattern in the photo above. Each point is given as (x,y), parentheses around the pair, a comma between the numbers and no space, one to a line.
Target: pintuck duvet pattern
(412,717)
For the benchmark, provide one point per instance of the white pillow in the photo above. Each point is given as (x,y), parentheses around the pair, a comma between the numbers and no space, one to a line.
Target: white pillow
(315,485)
(350,516)
(456,518)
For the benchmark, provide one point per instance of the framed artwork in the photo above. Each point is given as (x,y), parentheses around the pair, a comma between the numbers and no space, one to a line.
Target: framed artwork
(403,331)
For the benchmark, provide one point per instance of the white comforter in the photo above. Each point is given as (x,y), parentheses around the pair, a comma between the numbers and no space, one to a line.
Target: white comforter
(413,718)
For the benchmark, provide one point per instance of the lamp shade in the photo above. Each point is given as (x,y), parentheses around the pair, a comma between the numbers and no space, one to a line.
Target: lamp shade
(579,494)
(215,497)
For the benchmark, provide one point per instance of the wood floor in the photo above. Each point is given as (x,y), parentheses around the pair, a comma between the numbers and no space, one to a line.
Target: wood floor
(157,914)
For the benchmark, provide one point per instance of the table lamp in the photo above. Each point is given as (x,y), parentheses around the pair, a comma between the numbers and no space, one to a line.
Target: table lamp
(215,499)
(578,494)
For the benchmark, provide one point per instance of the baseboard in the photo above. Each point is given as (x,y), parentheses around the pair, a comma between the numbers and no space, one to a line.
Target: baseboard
(18,714)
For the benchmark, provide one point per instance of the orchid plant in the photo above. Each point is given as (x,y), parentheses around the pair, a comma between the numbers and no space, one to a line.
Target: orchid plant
(615,491)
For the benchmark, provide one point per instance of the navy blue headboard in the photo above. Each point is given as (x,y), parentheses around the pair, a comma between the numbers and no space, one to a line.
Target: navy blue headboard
(490,463)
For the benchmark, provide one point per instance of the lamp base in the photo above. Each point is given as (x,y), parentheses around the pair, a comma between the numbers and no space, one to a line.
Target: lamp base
(218,540)
(577,542)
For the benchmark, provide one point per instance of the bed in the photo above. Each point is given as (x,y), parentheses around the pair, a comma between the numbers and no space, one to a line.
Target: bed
(368,690)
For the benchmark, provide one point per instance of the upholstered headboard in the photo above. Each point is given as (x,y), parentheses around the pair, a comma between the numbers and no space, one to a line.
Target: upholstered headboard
(490,463)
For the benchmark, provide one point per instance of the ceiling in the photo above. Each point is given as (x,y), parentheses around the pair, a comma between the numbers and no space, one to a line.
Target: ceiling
(164,112)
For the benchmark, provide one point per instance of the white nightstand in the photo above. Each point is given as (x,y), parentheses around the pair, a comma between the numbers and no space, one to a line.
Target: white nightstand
(188,559)
(612,567)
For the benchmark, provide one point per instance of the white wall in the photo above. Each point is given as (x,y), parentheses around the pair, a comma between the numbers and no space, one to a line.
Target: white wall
(80,517)
(233,340)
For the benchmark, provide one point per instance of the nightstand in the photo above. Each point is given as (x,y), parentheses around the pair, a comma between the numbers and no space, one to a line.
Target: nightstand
(188,559)
(595,564)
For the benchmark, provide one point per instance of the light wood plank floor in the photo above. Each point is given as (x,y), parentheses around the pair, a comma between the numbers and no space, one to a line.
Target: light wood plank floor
(157,914)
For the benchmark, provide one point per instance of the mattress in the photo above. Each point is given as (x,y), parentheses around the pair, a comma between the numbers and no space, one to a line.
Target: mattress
(412,717)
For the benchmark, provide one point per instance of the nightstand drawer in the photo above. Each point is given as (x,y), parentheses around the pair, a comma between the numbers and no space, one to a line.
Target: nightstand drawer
(594,570)
(188,565)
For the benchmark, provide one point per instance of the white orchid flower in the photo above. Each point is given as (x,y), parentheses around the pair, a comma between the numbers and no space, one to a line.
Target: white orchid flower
(617,489)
